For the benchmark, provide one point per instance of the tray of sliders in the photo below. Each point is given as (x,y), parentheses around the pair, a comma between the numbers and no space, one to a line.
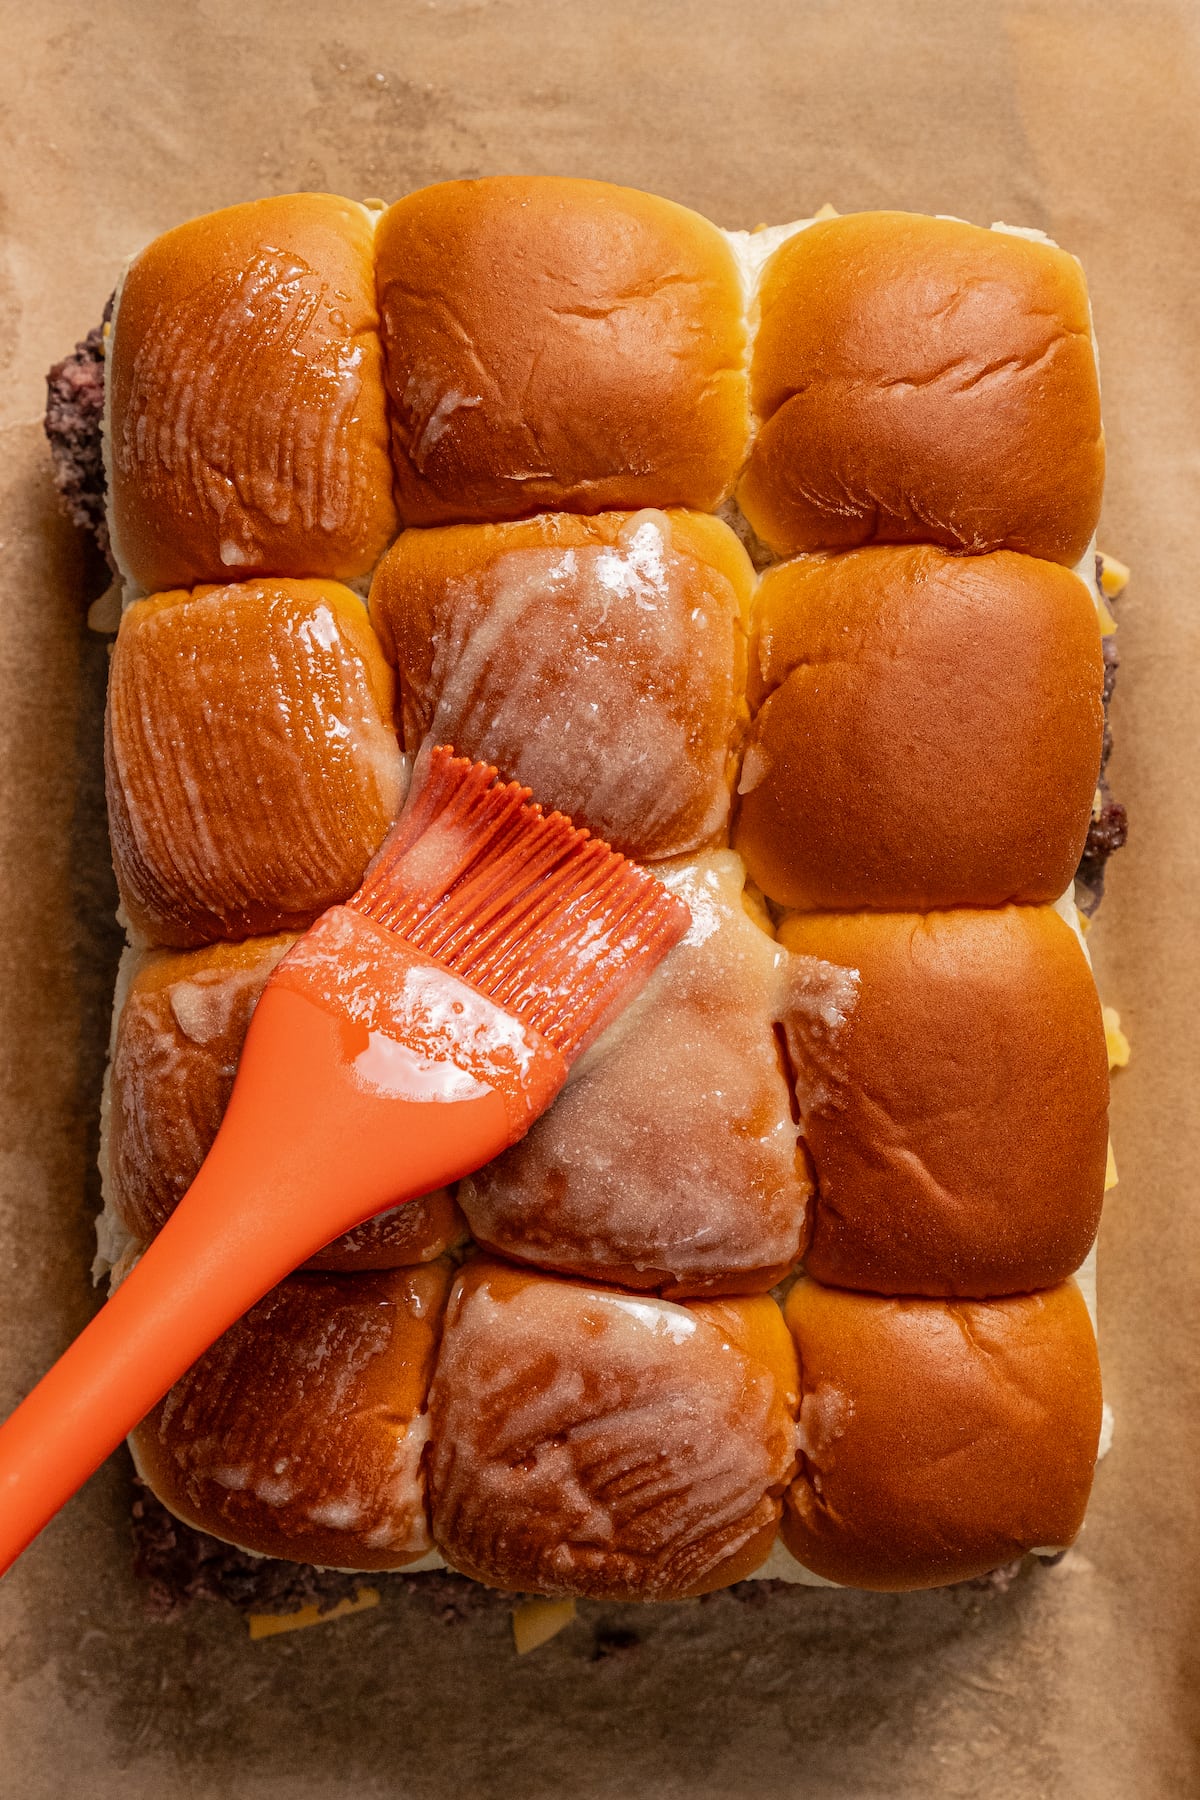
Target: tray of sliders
(768,558)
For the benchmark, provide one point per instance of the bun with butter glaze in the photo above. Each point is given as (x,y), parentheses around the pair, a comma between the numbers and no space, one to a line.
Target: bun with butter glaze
(589,1442)
(248,428)
(301,1433)
(670,1161)
(252,768)
(176,1044)
(601,661)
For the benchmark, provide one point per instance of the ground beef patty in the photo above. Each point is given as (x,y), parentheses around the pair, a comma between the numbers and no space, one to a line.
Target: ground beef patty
(1109,827)
(74,409)
(180,1565)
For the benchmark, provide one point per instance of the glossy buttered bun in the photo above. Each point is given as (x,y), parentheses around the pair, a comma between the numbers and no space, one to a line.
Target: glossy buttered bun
(251,760)
(592,1442)
(670,1160)
(601,661)
(247,430)
(301,1432)
(938,1439)
(952,1080)
(918,379)
(176,1045)
(930,734)
(555,344)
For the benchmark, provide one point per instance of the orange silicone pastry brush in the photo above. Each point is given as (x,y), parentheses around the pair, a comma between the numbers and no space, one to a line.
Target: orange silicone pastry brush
(410,1036)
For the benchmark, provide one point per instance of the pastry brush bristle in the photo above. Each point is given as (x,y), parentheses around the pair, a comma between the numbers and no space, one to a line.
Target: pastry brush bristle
(537,914)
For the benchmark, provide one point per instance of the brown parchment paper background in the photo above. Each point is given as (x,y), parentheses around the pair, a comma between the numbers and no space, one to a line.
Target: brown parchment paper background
(116,121)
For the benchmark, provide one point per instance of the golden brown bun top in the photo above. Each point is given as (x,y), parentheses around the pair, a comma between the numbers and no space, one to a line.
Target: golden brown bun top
(599,660)
(931,734)
(252,768)
(952,1081)
(919,378)
(248,415)
(554,343)
(300,1434)
(589,1441)
(937,1439)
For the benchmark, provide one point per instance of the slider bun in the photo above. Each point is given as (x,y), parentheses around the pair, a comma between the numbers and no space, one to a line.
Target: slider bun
(939,1440)
(590,1442)
(670,1160)
(952,1079)
(931,732)
(921,379)
(177,1042)
(248,427)
(300,1433)
(558,345)
(251,761)
(601,661)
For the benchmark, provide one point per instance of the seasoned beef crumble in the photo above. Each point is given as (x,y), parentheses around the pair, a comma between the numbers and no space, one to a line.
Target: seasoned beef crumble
(1109,827)
(180,1565)
(74,412)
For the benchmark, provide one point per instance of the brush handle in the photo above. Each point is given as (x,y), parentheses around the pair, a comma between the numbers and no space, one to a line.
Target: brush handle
(328,1123)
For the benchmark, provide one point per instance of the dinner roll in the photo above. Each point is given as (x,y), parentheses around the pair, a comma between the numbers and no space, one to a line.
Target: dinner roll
(591,1442)
(939,1439)
(921,379)
(247,425)
(557,344)
(252,766)
(301,1432)
(930,734)
(952,1079)
(670,1160)
(601,661)
(176,1044)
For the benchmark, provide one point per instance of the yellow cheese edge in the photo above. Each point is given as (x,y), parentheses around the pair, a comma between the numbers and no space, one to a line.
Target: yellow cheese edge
(828,211)
(266,1625)
(1114,575)
(1114,1038)
(535,1622)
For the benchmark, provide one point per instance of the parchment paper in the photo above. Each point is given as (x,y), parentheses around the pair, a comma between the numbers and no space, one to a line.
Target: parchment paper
(116,122)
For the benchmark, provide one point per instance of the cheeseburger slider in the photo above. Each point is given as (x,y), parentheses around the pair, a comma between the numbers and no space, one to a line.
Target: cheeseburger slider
(769,558)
